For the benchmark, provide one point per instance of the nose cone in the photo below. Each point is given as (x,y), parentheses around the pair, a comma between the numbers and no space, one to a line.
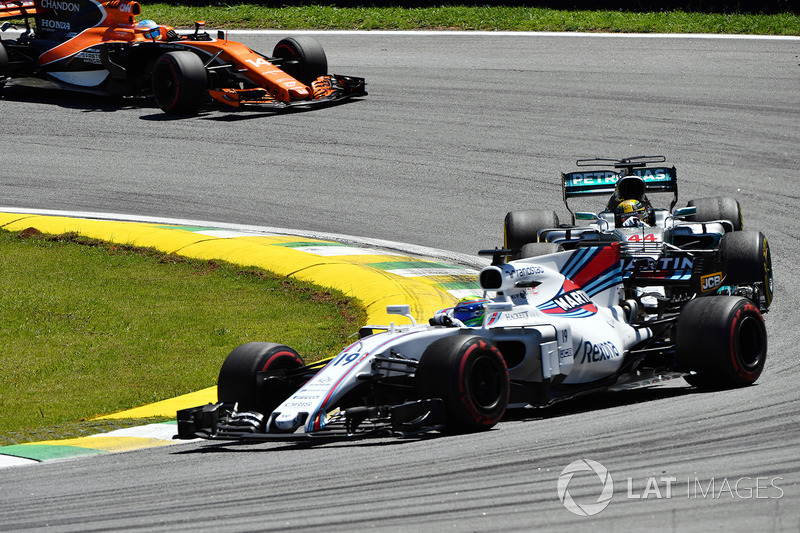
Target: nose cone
(289,422)
(299,93)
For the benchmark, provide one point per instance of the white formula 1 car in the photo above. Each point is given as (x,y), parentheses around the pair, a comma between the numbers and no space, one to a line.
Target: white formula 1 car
(546,328)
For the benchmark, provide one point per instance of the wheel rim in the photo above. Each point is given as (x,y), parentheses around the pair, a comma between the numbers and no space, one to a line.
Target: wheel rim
(767,256)
(485,385)
(750,345)
(165,84)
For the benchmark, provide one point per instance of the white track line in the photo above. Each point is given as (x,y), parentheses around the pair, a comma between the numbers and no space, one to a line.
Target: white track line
(462,33)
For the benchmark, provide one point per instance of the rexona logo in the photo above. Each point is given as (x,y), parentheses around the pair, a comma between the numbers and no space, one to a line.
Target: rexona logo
(605,487)
(592,353)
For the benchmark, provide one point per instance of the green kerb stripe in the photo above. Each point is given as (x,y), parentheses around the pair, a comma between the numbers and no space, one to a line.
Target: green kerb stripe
(188,228)
(398,265)
(455,285)
(46,452)
(302,244)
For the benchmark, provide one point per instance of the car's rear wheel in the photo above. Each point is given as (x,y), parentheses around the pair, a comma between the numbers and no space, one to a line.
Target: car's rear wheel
(303,58)
(717,208)
(748,259)
(469,374)
(522,227)
(241,381)
(723,339)
(180,82)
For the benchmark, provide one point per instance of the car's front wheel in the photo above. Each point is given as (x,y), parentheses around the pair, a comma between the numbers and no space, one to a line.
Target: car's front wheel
(303,58)
(536,249)
(470,375)
(523,227)
(253,376)
(179,83)
(717,208)
(748,261)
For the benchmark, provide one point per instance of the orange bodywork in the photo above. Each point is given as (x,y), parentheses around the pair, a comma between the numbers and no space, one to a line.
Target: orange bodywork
(15,10)
(116,23)
(118,26)
(282,87)
(90,37)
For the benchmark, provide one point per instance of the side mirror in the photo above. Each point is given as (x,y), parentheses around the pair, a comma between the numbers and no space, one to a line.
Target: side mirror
(684,211)
(593,217)
(402,310)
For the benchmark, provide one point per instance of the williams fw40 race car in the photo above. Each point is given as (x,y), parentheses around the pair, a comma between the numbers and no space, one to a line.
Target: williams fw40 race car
(672,255)
(99,48)
(546,328)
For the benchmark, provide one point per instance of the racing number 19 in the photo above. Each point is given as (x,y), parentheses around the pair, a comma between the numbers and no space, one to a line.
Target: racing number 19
(346,358)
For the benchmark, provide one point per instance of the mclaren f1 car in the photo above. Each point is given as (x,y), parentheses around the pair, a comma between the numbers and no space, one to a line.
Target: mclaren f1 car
(697,250)
(546,328)
(99,47)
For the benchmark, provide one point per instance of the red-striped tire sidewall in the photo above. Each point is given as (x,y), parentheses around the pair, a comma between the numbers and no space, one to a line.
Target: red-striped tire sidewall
(468,373)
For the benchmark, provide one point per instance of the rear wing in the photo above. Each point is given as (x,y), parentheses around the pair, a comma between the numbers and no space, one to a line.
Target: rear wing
(17,9)
(602,182)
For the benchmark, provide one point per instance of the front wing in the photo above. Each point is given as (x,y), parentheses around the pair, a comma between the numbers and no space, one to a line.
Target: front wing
(223,422)
(327,90)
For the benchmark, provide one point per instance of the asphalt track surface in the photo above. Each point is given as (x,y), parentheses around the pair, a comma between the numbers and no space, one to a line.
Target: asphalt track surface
(457,130)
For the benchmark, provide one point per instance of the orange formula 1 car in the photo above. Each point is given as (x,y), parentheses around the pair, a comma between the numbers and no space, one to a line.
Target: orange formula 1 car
(100,47)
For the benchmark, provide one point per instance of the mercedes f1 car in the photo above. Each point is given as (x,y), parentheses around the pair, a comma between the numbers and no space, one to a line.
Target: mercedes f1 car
(546,328)
(697,250)
(99,47)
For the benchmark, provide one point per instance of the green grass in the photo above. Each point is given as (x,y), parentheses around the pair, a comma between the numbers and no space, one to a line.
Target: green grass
(91,328)
(470,18)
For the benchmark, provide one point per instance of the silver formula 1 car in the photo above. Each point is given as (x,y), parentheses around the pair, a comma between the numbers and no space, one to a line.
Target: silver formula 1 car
(545,328)
(674,254)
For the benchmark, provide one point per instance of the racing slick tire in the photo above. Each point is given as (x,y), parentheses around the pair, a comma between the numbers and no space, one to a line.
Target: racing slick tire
(522,227)
(748,260)
(3,65)
(723,339)
(717,208)
(470,375)
(535,249)
(239,381)
(180,82)
(303,58)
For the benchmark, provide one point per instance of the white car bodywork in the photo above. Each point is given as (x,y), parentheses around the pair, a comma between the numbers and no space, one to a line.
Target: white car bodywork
(568,335)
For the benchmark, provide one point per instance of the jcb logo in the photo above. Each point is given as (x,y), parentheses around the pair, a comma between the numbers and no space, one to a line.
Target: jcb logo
(710,281)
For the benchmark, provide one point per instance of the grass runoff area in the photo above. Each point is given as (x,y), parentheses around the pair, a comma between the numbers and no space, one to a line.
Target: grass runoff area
(469,18)
(91,328)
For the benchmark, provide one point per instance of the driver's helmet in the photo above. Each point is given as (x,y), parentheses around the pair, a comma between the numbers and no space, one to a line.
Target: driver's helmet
(630,213)
(149,28)
(470,310)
